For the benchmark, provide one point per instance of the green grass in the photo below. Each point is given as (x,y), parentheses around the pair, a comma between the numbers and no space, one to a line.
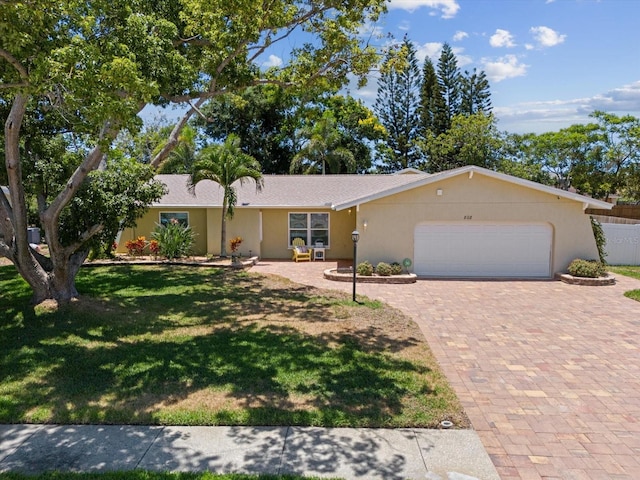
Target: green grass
(146,475)
(629,271)
(192,346)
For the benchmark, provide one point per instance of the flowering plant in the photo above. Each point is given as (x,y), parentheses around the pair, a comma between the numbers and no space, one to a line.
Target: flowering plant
(234,243)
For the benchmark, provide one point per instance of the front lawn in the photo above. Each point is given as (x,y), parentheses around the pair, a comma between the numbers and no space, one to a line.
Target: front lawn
(146,475)
(200,346)
(629,271)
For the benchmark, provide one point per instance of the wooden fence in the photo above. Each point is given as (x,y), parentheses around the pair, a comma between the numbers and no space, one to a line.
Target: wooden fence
(623,211)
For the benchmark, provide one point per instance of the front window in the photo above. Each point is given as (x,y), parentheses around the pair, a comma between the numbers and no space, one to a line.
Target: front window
(310,227)
(181,217)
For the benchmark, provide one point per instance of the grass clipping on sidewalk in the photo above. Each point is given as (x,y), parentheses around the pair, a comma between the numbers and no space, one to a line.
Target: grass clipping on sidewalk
(195,346)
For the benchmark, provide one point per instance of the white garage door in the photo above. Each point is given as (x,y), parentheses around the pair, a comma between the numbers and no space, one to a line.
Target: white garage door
(483,249)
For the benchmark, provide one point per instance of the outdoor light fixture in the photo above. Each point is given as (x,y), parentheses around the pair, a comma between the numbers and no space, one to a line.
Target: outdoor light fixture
(439,192)
(355,236)
(364,224)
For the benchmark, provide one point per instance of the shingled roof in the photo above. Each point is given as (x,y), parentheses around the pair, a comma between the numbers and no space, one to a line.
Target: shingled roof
(333,191)
(284,191)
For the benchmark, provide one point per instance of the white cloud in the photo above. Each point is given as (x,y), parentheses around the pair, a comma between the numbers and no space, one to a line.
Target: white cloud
(430,49)
(274,61)
(547,37)
(460,35)
(448,8)
(502,38)
(552,115)
(505,67)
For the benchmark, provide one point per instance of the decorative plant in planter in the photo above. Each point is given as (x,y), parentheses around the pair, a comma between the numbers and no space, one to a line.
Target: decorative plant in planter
(234,245)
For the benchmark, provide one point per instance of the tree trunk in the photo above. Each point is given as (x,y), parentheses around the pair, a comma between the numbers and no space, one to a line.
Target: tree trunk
(223,232)
(52,282)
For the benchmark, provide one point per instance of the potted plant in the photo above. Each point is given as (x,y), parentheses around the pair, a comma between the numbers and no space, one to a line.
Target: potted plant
(234,245)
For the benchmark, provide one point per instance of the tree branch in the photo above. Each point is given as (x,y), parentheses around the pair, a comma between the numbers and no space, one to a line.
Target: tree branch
(8,86)
(22,71)
(173,137)
(95,229)
(89,164)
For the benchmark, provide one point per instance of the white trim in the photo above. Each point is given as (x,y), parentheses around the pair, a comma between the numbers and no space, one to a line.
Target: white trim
(309,229)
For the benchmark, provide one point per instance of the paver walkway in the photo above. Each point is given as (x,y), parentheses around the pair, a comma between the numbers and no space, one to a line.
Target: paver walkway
(548,373)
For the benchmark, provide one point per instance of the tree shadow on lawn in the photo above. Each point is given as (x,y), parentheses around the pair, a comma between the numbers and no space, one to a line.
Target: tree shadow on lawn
(132,359)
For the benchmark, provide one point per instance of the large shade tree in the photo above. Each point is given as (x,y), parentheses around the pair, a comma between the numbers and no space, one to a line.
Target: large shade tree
(98,63)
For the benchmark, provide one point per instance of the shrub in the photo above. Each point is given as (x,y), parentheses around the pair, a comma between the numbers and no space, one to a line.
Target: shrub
(365,269)
(174,240)
(136,247)
(383,269)
(154,248)
(396,268)
(587,268)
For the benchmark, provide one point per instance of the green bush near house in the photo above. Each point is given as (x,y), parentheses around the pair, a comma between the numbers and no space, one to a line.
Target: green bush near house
(383,269)
(396,268)
(365,269)
(587,268)
(174,240)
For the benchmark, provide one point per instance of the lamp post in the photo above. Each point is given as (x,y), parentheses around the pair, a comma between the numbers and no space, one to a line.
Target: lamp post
(355,236)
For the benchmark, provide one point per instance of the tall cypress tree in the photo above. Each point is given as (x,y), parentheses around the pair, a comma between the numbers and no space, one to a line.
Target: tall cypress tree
(475,95)
(397,106)
(449,82)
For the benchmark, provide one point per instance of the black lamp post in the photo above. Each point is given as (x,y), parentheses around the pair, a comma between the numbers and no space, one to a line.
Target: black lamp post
(355,236)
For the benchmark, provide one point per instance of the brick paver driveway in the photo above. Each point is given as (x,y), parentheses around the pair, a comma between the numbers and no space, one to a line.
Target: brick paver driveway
(548,373)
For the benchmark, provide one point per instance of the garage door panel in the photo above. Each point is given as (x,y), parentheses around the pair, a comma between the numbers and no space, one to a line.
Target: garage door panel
(483,250)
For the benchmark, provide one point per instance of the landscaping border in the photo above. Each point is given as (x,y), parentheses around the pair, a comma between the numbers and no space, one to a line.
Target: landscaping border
(346,275)
(592,282)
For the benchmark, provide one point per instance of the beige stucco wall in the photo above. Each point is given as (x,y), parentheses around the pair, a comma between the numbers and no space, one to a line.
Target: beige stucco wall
(245,224)
(391,221)
(275,233)
(146,225)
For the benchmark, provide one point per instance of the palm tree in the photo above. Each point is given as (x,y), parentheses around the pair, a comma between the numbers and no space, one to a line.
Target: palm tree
(226,164)
(323,148)
(181,158)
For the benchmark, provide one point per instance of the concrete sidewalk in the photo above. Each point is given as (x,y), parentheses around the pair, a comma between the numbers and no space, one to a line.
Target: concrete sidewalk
(324,452)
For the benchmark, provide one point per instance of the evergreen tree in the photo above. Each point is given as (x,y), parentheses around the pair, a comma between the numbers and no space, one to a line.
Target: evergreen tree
(397,106)
(475,93)
(450,84)
(431,101)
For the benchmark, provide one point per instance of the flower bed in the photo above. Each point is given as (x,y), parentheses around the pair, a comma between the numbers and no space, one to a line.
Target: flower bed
(346,275)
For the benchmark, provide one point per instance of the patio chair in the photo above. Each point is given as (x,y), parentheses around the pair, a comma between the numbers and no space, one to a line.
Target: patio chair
(300,251)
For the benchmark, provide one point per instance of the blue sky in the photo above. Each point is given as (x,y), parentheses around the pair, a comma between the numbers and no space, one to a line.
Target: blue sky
(550,62)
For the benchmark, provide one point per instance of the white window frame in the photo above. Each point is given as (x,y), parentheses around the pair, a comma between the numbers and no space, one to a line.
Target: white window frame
(309,229)
(172,212)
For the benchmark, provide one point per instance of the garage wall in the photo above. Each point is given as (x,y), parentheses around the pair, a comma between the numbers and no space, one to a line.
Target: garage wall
(389,235)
